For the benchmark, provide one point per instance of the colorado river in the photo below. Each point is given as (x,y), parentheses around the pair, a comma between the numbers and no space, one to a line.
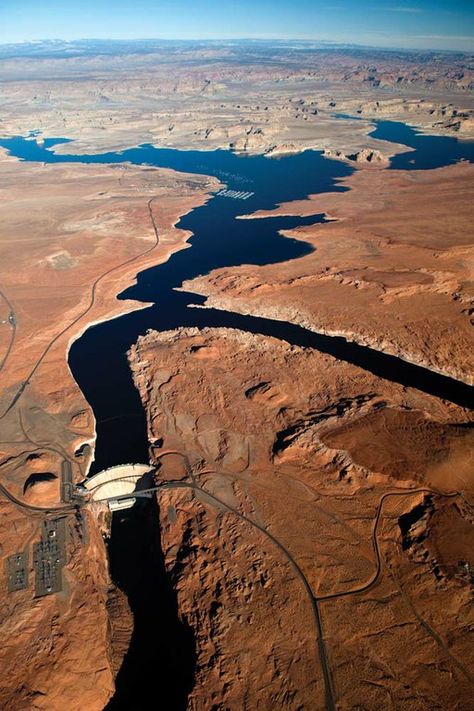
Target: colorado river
(98,358)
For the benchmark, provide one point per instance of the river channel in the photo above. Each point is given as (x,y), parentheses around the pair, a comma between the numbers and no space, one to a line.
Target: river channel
(99,364)
(98,359)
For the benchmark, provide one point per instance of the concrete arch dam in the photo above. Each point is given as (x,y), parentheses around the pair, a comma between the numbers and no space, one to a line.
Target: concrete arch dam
(118,481)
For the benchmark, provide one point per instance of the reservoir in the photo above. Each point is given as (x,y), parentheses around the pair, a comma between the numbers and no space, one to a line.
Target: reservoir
(98,359)
(99,365)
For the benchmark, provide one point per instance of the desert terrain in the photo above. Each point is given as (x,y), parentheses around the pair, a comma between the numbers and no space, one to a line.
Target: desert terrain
(243,97)
(307,449)
(319,551)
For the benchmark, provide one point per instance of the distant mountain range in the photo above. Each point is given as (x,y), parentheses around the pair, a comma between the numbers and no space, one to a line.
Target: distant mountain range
(61,49)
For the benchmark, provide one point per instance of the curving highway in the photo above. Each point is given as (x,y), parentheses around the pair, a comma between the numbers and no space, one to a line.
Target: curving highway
(90,306)
(13,324)
(314,600)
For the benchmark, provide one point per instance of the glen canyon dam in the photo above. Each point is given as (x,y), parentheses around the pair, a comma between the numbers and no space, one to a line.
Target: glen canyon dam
(237,355)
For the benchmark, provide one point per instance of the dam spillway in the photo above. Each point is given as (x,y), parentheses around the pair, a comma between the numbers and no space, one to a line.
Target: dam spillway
(118,481)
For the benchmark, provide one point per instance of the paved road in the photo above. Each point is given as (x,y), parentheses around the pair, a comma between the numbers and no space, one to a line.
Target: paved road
(12,321)
(66,508)
(95,284)
(314,600)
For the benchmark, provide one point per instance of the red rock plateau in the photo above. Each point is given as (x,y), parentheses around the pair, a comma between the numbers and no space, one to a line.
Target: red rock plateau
(298,458)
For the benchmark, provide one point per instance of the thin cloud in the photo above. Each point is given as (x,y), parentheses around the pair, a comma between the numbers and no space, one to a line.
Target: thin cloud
(463,38)
(409,10)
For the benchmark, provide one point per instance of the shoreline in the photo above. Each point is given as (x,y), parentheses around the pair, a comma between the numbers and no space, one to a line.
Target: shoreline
(124,278)
(117,312)
(213,302)
(99,302)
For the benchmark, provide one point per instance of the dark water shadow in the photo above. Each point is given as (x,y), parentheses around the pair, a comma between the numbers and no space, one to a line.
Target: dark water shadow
(159,666)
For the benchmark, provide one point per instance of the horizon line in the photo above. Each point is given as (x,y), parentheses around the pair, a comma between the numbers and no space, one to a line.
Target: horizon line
(306,40)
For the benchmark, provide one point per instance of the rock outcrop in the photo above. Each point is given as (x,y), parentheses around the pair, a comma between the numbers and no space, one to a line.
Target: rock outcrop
(364,157)
(291,443)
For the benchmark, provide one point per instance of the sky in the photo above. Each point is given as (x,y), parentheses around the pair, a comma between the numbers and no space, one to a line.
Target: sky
(423,24)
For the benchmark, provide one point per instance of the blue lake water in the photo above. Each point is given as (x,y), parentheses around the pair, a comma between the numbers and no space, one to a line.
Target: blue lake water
(429,151)
(98,359)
